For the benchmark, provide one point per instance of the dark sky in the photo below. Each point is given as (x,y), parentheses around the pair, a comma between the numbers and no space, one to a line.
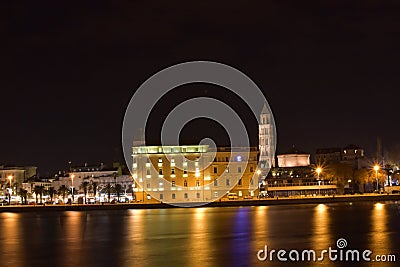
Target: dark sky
(329,69)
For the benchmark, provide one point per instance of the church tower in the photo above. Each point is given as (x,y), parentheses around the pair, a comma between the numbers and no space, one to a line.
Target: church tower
(266,140)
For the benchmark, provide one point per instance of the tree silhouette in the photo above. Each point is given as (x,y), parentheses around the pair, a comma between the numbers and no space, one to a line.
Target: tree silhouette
(85,186)
(118,189)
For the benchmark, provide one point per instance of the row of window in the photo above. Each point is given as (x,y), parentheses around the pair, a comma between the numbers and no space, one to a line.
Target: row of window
(185,183)
(237,158)
(215,170)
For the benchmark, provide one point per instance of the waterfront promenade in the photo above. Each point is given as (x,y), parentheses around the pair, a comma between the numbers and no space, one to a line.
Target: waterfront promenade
(225,203)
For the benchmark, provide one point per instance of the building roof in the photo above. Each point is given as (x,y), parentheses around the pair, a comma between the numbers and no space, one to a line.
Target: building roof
(328,150)
(352,146)
(264,109)
(294,150)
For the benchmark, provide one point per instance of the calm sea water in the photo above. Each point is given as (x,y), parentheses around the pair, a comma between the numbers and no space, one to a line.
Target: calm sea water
(197,236)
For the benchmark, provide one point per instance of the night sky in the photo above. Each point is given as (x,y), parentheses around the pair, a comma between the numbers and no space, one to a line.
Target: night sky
(329,69)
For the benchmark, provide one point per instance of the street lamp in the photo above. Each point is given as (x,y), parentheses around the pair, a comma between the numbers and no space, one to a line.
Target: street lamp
(318,170)
(72,186)
(376,169)
(9,192)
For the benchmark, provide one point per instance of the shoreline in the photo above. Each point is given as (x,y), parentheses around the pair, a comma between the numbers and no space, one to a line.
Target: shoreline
(228,203)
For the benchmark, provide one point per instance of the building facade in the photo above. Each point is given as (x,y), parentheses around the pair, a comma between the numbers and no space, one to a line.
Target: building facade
(186,174)
(100,176)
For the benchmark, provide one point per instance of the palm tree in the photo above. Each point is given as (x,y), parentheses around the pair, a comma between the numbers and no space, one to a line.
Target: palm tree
(51,192)
(118,189)
(94,188)
(108,189)
(63,191)
(23,193)
(85,186)
(39,190)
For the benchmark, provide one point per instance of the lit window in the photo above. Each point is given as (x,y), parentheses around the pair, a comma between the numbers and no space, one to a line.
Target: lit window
(215,194)
(239,158)
(173,183)
(160,160)
(227,169)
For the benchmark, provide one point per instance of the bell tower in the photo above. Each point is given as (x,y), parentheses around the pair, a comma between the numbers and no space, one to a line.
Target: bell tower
(266,140)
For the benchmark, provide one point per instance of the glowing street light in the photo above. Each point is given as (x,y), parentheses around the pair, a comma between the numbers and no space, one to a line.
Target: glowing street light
(376,169)
(72,186)
(9,193)
(318,171)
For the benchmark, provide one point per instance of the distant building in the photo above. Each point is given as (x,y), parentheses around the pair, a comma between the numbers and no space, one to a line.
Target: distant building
(18,176)
(328,155)
(99,174)
(353,152)
(294,176)
(351,155)
(294,158)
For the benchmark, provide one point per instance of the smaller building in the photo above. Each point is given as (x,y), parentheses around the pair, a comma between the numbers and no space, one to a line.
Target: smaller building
(99,175)
(294,158)
(352,152)
(352,155)
(328,155)
(17,175)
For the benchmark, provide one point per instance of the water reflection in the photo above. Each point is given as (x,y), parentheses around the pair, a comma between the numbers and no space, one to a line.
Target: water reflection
(191,237)
(321,236)
(136,235)
(379,234)
(73,224)
(199,237)
(10,239)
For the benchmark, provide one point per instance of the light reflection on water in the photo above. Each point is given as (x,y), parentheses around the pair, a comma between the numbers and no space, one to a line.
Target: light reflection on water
(321,237)
(192,237)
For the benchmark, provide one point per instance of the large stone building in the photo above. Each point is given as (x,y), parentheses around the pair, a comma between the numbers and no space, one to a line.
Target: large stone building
(179,174)
(198,173)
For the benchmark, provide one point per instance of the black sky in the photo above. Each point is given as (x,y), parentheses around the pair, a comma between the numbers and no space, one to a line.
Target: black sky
(329,69)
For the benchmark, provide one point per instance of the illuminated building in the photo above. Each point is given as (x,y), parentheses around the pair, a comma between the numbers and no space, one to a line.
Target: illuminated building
(193,173)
